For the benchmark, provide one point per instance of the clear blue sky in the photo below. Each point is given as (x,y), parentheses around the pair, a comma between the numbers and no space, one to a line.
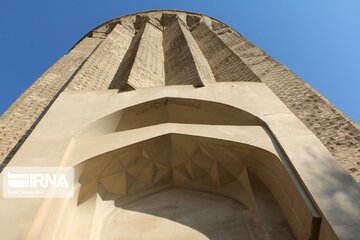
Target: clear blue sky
(317,39)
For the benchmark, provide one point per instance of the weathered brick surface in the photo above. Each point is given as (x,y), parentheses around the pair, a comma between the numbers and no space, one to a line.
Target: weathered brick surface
(122,73)
(201,62)
(22,116)
(100,69)
(224,63)
(336,131)
(184,62)
(147,69)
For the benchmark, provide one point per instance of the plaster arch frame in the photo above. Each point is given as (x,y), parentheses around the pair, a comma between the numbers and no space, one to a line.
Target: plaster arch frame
(195,111)
(179,127)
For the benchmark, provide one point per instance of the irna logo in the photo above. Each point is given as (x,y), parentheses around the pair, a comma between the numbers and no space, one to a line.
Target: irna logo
(38,182)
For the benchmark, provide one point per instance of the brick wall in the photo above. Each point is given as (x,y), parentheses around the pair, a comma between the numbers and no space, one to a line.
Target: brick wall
(335,130)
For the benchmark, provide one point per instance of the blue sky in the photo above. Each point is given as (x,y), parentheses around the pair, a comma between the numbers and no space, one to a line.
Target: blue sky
(317,39)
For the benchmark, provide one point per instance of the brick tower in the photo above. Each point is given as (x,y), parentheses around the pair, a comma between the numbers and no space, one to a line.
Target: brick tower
(178,127)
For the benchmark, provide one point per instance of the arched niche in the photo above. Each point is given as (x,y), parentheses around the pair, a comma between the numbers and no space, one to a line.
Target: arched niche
(169,110)
(252,176)
(202,164)
(178,213)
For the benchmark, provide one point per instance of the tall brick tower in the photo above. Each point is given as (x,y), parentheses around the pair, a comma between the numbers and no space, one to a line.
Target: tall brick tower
(177,127)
